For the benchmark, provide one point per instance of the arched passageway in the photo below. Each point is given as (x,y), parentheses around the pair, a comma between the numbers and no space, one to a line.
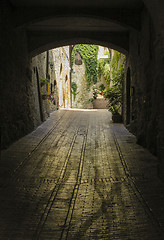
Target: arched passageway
(132,27)
(135,28)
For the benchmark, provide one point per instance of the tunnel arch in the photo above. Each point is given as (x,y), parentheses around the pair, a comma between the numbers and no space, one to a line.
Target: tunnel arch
(74,41)
(57,31)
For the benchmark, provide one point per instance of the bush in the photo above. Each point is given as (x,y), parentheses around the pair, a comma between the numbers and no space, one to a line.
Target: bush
(74,89)
(102,87)
(114,94)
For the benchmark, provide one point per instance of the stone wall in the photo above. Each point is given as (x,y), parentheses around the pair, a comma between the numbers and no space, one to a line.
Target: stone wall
(20,109)
(16,82)
(156,10)
(144,96)
(79,77)
(52,87)
(43,68)
(41,110)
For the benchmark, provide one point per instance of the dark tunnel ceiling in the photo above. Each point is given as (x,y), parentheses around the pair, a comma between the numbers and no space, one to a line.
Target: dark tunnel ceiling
(84,3)
(47,21)
(72,23)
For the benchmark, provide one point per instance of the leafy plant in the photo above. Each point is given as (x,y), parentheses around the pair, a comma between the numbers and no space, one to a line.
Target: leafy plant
(44,81)
(114,94)
(91,100)
(114,65)
(94,93)
(113,73)
(47,96)
(104,69)
(74,89)
(102,87)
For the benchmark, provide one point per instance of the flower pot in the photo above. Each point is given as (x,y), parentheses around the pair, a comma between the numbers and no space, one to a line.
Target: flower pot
(42,84)
(116,118)
(44,97)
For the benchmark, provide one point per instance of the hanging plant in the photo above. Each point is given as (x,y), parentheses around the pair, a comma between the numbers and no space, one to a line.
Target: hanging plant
(44,81)
(46,96)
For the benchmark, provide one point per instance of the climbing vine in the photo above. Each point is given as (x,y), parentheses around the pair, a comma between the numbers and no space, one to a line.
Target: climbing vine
(89,55)
(111,68)
(114,93)
(104,68)
(117,68)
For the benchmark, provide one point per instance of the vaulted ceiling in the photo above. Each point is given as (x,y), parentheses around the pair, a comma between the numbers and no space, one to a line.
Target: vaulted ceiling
(49,22)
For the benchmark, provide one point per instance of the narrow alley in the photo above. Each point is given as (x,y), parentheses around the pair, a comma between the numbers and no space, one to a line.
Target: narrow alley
(79,176)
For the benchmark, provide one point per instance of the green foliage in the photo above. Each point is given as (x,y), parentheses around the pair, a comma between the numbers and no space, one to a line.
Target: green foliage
(44,80)
(114,93)
(95,92)
(115,59)
(106,73)
(114,96)
(47,96)
(104,69)
(115,64)
(91,100)
(89,55)
(102,87)
(74,89)
(101,64)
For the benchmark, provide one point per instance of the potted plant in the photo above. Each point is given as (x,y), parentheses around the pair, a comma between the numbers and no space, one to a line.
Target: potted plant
(101,88)
(113,94)
(47,96)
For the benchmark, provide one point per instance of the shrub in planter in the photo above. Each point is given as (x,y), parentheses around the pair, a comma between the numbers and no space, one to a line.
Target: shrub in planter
(101,88)
(113,94)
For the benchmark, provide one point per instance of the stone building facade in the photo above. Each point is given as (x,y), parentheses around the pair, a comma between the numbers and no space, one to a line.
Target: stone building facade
(44,84)
(52,67)
(141,88)
(62,73)
(78,77)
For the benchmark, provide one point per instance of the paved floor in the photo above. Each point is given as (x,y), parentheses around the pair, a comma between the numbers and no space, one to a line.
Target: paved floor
(78,176)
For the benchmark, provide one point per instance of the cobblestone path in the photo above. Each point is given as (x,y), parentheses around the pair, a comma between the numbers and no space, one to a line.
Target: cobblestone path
(78,176)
